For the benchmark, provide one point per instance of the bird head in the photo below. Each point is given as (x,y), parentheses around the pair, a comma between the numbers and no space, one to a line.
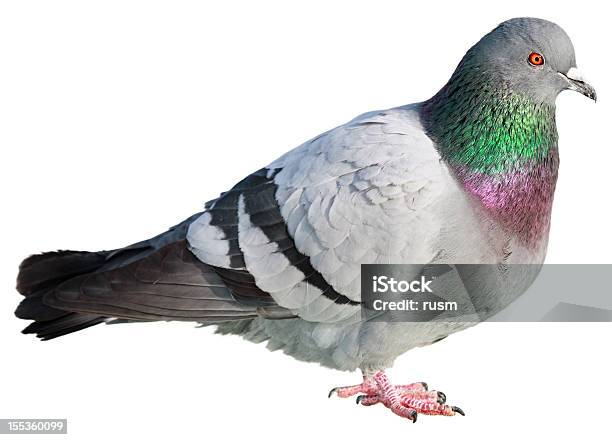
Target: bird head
(530,56)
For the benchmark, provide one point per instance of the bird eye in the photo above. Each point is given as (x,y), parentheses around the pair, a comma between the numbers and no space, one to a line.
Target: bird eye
(536,59)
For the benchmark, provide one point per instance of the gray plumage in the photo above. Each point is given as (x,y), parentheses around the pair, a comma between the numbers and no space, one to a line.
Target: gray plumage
(277,258)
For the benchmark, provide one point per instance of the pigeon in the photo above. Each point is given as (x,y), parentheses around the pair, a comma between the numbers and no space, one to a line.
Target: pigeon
(467,176)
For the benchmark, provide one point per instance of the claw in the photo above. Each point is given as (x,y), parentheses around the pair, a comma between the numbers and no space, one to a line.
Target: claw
(406,401)
(458,410)
(441,397)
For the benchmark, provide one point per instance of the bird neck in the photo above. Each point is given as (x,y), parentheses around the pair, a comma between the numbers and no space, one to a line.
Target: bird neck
(502,146)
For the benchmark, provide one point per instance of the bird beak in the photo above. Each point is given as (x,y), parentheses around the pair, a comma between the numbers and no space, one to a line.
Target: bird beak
(577,82)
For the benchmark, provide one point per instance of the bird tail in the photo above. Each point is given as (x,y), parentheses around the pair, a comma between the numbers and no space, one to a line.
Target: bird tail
(39,275)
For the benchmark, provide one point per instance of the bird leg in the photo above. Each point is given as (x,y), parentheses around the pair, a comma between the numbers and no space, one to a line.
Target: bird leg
(404,400)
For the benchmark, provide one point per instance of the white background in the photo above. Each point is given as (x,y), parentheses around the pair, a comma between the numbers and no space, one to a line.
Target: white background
(120,118)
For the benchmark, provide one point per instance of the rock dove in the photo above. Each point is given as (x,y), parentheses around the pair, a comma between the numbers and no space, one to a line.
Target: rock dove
(467,176)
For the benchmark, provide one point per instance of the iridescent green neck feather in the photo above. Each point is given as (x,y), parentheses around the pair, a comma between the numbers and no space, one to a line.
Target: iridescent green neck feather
(502,146)
(490,131)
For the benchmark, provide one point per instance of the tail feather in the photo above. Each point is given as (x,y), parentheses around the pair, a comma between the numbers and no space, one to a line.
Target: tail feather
(33,307)
(38,275)
(69,323)
(44,271)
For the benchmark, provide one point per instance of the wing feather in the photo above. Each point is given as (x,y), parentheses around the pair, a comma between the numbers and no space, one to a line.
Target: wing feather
(302,227)
(170,284)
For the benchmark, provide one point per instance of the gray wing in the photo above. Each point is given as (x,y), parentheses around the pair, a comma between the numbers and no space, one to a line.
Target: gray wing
(288,240)
(301,227)
(156,279)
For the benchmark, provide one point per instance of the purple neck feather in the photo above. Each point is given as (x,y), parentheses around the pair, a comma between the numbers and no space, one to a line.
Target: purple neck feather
(521,200)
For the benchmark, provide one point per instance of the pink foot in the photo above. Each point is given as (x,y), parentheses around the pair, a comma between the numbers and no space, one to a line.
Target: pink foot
(404,400)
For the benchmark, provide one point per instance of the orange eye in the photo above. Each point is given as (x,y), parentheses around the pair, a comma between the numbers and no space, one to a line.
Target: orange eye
(536,59)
